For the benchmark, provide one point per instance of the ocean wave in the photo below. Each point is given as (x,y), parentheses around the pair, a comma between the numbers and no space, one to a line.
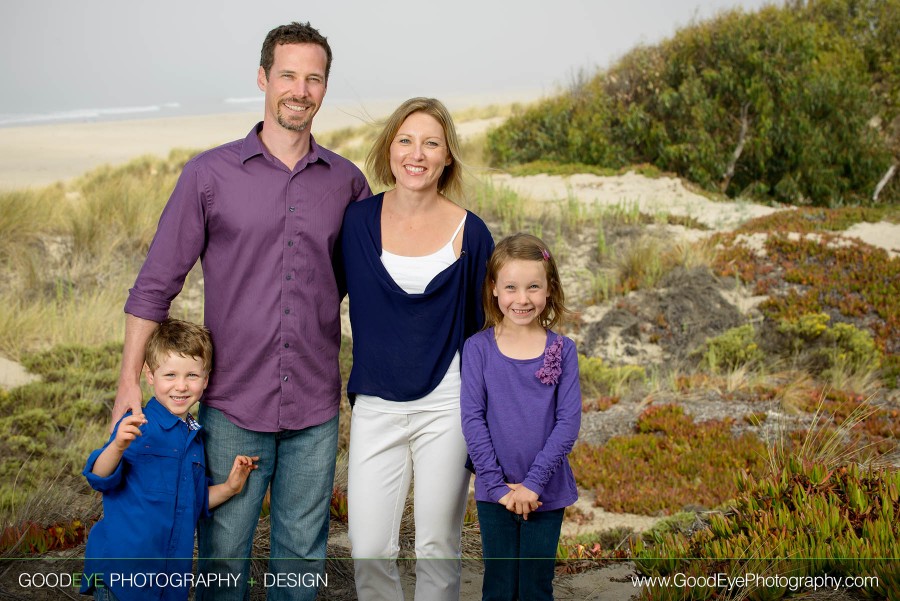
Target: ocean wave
(96,114)
(247,100)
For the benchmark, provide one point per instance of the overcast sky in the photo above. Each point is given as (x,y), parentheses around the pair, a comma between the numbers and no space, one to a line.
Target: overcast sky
(59,55)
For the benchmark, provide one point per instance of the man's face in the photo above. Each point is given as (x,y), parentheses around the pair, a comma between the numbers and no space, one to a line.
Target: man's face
(295,86)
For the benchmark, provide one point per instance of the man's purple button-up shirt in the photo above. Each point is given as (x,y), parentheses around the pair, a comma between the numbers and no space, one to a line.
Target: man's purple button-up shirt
(265,235)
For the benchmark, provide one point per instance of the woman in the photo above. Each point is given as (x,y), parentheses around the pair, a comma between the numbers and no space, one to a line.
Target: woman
(415,263)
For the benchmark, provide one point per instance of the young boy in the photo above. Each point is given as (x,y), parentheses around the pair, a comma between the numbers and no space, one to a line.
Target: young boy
(152,474)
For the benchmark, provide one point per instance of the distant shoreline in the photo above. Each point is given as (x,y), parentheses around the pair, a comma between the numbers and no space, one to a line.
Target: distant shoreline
(42,154)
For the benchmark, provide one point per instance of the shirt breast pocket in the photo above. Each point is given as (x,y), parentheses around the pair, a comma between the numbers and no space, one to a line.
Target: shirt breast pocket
(156,469)
(198,461)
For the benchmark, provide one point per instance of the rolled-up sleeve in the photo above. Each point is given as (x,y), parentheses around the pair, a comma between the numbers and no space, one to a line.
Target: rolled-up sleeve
(111,482)
(178,243)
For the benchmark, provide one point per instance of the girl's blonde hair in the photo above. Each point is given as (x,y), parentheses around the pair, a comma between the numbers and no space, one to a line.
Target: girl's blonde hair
(524,247)
(378,162)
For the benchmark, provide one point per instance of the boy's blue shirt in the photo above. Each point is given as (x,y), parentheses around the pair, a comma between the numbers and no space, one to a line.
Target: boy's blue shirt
(151,504)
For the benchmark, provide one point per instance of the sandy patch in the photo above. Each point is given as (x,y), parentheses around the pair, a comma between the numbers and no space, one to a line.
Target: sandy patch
(473,127)
(599,520)
(12,374)
(652,196)
(882,235)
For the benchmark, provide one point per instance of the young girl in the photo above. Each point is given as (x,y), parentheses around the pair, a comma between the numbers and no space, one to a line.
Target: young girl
(521,411)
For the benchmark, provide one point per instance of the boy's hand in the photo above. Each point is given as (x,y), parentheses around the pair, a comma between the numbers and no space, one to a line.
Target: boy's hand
(129,429)
(240,471)
(521,500)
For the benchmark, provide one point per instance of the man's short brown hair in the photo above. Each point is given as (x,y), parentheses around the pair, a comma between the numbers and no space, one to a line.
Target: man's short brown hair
(293,33)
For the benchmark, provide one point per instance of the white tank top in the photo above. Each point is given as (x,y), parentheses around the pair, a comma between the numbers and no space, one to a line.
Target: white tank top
(413,274)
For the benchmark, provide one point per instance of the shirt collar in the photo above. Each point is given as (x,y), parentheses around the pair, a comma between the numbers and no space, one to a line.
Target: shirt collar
(192,424)
(253,146)
(165,418)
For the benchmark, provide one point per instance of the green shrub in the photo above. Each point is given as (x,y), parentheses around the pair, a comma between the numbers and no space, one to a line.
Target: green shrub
(50,425)
(776,103)
(805,329)
(599,379)
(848,347)
(842,347)
(732,349)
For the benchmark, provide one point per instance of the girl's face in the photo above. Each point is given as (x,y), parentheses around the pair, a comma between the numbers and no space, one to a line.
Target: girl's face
(522,291)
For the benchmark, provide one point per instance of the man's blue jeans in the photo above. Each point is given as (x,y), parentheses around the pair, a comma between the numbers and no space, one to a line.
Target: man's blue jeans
(519,555)
(299,465)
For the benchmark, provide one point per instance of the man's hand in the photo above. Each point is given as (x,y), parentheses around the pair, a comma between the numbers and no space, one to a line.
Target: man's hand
(128,395)
(128,398)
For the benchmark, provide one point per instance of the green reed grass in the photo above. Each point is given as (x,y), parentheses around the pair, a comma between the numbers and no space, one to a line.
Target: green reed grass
(498,204)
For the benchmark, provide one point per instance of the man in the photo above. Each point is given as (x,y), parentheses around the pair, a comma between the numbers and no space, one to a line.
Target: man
(263,214)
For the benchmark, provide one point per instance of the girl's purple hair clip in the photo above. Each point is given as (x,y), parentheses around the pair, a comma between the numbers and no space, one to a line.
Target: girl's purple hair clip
(546,254)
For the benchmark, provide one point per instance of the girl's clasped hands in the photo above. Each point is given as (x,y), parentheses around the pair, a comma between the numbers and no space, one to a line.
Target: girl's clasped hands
(520,500)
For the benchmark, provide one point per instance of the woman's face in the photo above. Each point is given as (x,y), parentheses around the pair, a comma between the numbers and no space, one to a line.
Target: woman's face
(419,153)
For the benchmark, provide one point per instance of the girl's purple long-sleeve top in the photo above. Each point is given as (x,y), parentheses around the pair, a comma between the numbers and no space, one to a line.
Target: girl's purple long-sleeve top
(518,428)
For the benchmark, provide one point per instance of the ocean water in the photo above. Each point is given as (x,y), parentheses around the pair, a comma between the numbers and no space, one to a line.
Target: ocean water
(113,113)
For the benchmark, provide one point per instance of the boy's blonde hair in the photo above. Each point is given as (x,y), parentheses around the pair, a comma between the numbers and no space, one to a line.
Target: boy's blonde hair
(524,247)
(174,336)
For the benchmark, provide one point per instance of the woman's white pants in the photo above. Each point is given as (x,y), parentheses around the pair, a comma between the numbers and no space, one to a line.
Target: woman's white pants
(387,451)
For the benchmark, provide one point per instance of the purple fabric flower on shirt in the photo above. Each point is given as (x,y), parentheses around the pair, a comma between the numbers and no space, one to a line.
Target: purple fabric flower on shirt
(551,370)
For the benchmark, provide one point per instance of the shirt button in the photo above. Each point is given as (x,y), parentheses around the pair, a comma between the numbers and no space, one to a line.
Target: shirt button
(292,209)
(287,277)
(286,311)
(290,242)
(286,345)
(285,378)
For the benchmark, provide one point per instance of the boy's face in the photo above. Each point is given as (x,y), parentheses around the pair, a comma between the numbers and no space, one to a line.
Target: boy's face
(178,382)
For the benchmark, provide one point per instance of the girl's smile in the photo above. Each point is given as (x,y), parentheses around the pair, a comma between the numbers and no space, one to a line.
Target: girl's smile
(522,291)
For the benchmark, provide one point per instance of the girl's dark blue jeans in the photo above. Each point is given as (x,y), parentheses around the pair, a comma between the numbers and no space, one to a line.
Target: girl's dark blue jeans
(519,555)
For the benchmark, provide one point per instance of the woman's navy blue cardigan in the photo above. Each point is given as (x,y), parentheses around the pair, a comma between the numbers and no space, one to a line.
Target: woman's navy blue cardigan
(403,343)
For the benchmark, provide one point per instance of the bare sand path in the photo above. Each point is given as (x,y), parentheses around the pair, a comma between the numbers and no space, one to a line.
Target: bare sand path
(13,374)
(669,195)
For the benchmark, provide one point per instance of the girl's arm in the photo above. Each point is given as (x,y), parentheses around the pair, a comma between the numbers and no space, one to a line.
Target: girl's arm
(565,429)
(473,405)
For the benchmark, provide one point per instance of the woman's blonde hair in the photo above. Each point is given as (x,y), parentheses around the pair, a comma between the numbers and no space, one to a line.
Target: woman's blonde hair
(524,247)
(378,162)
